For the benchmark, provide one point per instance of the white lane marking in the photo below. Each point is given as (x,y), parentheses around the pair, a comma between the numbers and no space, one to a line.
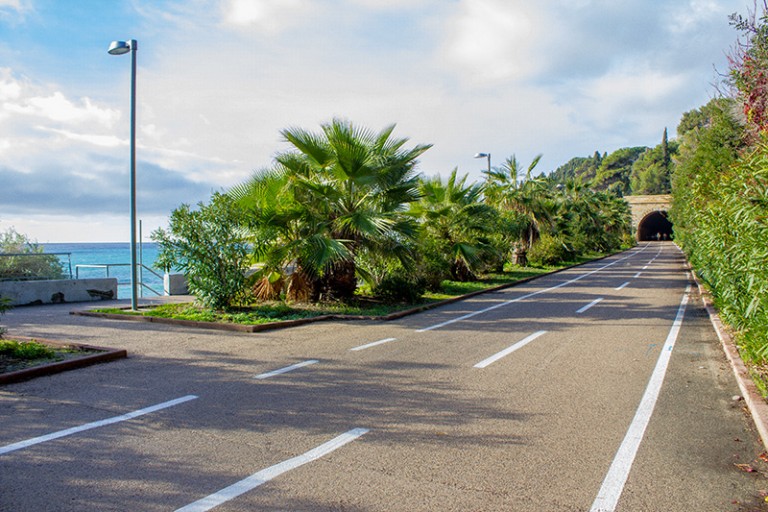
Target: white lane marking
(265,475)
(369,345)
(527,296)
(593,303)
(286,369)
(509,350)
(637,275)
(613,485)
(622,286)
(95,424)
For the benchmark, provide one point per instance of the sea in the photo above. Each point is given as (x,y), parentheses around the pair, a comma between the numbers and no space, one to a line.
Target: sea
(111,260)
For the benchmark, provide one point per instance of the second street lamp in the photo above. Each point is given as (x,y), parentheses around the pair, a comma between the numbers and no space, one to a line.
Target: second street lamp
(121,48)
(485,155)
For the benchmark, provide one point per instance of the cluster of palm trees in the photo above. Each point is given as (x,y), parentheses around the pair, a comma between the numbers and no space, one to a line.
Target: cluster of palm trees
(347,204)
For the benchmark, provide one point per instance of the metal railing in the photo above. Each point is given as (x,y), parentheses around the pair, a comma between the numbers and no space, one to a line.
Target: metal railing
(141,266)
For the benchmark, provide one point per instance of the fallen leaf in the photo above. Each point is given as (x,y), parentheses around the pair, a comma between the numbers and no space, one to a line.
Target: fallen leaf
(763,457)
(746,468)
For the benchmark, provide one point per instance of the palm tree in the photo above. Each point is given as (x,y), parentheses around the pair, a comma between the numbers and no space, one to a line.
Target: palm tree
(529,199)
(454,217)
(343,189)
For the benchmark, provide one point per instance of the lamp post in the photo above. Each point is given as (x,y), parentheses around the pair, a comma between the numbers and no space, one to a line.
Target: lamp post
(121,48)
(485,155)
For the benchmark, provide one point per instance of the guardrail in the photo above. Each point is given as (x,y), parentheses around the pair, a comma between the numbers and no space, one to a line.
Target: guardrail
(141,267)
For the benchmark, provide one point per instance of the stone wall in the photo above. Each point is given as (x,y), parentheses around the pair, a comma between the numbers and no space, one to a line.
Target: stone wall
(26,293)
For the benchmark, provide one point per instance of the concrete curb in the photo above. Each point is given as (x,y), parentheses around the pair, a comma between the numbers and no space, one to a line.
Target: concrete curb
(754,400)
(104,355)
(322,318)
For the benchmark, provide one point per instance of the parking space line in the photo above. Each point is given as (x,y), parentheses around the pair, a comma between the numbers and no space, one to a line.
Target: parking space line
(593,303)
(637,275)
(520,344)
(375,343)
(613,485)
(265,475)
(286,369)
(622,286)
(95,424)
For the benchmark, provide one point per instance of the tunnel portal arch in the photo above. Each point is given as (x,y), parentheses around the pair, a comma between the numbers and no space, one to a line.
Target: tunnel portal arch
(654,226)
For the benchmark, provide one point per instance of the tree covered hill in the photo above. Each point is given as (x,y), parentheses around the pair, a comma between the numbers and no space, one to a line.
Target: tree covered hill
(627,171)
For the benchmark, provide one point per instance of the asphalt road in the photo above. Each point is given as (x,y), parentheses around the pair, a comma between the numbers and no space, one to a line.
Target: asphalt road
(599,388)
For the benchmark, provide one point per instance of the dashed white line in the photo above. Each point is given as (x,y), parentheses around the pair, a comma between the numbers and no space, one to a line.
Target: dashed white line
(520,344)
(527,296)
(95,424)
(265,475)
(621,287)
(613,485)
(591,304)
(375,343)
(286,369)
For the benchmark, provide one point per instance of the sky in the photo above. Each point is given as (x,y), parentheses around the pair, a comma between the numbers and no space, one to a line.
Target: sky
(218,80)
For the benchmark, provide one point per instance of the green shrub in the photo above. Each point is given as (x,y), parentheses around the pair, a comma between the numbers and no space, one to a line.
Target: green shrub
(22,259)
(400,288)
(550,250)
(209,247)
(25,350)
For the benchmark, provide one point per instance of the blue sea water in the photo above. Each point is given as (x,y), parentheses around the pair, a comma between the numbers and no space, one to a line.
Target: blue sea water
(118,256)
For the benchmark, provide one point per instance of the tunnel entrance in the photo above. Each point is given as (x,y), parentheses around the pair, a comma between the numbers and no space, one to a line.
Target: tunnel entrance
(654,226)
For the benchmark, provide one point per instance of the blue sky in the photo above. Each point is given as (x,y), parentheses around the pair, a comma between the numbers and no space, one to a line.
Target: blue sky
(218,80)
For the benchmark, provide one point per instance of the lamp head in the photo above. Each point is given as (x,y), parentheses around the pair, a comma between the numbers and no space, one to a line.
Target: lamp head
(119,48)
(481,155)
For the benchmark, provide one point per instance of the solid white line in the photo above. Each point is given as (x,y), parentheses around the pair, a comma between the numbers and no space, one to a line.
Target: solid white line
(286,369)
(265,475)
(622,286)
(613,485)
(593,303)
(645,267)
(527,296)
(637,275)
(507,351)
(369,345)
(95,424)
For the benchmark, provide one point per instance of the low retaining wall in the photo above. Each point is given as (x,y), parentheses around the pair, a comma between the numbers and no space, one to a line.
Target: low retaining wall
(28,293)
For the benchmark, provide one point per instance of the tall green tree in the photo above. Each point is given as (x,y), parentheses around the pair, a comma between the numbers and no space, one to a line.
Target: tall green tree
(528,200)
(456,221)
(351,187)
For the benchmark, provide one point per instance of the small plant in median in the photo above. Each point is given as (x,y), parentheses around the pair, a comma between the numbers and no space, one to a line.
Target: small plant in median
(208,245)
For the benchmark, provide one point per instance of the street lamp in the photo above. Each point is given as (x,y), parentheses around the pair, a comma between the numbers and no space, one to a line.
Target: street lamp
(485,155)
(121,48)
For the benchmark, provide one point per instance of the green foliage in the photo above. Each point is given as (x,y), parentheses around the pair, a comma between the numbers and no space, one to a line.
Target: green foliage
(720,213)
(455,223)
(25,260)
(749,70)
(25,350)
(652,171)
(615,170)
(208,245)
(578,168)
(333,195)
(550,250)
(400,288)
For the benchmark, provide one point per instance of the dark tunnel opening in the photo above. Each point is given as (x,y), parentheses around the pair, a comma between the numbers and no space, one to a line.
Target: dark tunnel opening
(654,226)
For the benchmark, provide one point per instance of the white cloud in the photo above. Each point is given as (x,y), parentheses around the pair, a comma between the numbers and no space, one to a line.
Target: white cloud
(491,40)
(690,17)
(57,107)
(267,16)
